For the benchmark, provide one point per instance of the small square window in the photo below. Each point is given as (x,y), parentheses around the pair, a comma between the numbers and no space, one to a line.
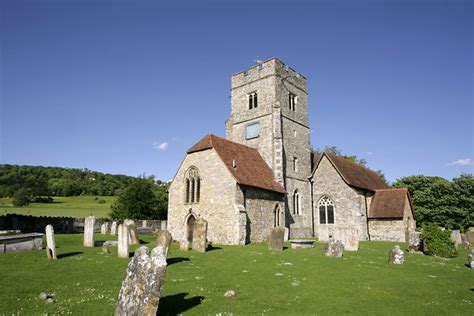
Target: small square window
(252,131)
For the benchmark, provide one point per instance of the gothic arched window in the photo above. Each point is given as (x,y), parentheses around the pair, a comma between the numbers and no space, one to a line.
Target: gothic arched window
(296,203)
(276,216)
(326,210)
(193,186)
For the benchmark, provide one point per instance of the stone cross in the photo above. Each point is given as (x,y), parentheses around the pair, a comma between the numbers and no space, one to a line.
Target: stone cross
(163,240)
(104,228)
(334,248)
(275,240)
(396,255)
(200,235)
(89,225)
(134,239)
(50,243)
(184,245)
(113,228)
(123,236)
(143,284)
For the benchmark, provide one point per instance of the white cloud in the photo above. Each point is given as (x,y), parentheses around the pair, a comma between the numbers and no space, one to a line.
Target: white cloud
(159,146)
(462,162)
(369,153)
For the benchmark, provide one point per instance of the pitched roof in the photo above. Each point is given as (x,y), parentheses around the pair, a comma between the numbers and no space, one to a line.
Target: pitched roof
(355,174)
(250,168)
(389,203)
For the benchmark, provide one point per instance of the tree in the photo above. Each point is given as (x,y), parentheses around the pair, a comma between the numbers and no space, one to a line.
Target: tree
(137,201)
(22,197)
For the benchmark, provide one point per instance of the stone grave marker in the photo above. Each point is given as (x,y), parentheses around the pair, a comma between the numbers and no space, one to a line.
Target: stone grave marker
(134,239)
(396,255)
(334,248)
(89,227)
(184,245)
(471,259)
(123,236)
(163,225)
(348,236)
(470,238)
(275,240)
(143,284)
(50,242)
(163,239)
(415,243)
(287,234)
(456,238)
(104,228)
(200,235)
(113,228)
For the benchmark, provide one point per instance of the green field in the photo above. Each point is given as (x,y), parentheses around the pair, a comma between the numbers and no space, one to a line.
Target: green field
(75,206)
(292,282)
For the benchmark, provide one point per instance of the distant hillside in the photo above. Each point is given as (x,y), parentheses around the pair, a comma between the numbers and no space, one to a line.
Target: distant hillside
(56,181)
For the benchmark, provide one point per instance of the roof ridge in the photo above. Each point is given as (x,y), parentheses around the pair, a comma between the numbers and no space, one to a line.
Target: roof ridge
(391,189)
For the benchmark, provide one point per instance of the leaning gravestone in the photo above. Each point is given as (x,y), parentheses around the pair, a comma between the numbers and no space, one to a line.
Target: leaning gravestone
(471,259)
(275,240)
(396,255)
(164,240)
(123,236)
(456,238)
(113,228)
(134,239)
(334,248)
(184,245)
(104,228)
(89,225)
(415,244)
(50,242)
(200,235)
(144,279)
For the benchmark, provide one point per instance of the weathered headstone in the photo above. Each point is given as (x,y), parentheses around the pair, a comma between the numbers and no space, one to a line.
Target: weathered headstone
(89,226)
(456,238)
(184,245)
(470,238)
(200,235)
(163,239)
(163,225)
(396,255)
(144,279)
(348,236)
(104,228)
(275,240)
(334,248)
(415,244)
(113,228)
(287,234)
(123,236)
(471,259)
(50,242)
(134,239)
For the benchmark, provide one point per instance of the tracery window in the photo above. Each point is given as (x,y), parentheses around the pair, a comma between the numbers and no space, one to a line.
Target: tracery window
(296,203)
(326,210)
(193,186)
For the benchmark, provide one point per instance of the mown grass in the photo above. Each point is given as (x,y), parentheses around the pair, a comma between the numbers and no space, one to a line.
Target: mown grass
(75,206)
(292,282)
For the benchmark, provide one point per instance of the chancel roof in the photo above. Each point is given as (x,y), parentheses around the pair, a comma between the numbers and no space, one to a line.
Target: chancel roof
(244,163)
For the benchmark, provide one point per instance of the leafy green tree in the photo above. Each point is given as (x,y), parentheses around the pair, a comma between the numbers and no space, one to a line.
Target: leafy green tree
(22,197)
(438,242)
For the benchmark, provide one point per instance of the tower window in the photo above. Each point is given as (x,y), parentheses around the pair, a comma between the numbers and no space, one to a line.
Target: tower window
(295,164)
(252,131)
(292,101)
(253,102)
(326,210)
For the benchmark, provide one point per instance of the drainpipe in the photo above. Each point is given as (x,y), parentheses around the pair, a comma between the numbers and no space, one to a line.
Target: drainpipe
(366,214)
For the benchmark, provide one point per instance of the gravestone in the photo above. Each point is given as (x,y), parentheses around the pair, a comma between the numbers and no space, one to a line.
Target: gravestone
(471,259)
(104,228)
(334,248)
(348,236)
(113,228)
(200,235)
(275,240)
(50,242)
(134,239)
(163,225)
(184,245)
(470,238)
(89,225)
(163,239)
(143,284)
(123,236)
(287,234)
(396,255)
(456,238)
(415,243)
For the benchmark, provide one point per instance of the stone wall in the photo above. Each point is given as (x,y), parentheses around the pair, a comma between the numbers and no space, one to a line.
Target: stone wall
(349,204)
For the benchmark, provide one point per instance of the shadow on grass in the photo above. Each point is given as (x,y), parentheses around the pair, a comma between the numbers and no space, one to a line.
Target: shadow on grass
(142,242)
(177,304)
(211,248)
(69,254)
(171,261)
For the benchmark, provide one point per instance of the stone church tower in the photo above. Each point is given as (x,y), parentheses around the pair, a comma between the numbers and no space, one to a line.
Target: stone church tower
(269,112)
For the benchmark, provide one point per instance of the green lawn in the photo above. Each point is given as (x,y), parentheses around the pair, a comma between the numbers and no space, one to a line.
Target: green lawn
(75,206)
(292,282)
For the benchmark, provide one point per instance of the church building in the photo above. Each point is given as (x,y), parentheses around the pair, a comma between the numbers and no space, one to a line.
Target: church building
(263,174)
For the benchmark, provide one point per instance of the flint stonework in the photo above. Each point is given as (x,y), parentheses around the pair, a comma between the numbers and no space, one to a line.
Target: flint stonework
(50,242)
(123,236)
(396,255)
(134,239)
(143,284)
(200,235)
(275,240)
(334,248)
(163,239)
(104,228)
(113,228)
(89,225)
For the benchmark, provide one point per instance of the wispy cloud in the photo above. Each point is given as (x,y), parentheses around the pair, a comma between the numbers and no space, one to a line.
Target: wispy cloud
(369,153)
(462,162)
(160,146)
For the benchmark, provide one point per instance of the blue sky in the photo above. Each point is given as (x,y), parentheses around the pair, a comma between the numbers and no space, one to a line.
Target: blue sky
(127,86)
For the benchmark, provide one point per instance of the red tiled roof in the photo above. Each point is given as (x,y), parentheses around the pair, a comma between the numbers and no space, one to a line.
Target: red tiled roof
(388,203)
(250,168)
(355,174)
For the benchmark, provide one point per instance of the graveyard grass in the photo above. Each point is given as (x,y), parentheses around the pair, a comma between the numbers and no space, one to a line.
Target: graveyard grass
(74,206)
(300,281)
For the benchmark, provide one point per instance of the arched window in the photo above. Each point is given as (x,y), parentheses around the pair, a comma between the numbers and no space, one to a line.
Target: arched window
(276,216)
(296,203)
(326,210)
(193,186)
